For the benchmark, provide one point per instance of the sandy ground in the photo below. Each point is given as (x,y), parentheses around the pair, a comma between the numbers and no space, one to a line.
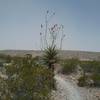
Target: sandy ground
(67,89)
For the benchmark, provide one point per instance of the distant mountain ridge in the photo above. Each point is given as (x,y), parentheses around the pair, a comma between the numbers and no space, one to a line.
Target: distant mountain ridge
(83,55)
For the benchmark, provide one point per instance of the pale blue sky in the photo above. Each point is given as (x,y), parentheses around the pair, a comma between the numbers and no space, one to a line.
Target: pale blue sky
(20,22)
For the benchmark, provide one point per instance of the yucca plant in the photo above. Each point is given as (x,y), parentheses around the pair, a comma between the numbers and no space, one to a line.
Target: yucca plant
(50,56)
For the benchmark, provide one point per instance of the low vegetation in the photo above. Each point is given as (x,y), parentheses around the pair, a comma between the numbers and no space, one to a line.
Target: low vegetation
(69,66)
(90,71)
(26,80)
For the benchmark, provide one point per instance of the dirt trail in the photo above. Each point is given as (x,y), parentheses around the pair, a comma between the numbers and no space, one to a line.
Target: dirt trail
(66,90)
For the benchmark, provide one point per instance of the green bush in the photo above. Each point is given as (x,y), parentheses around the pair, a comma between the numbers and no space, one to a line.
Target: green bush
(86,66)
(69,66)
(96,79)
(92,70)
(90,66)
(82,81)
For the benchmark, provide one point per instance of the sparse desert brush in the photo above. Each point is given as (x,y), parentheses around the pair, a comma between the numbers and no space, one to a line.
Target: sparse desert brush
(69,65)
(96,78)
(91,69)
(27,81)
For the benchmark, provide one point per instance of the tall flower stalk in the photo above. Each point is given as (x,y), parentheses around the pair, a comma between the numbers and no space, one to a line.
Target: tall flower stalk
(51,40)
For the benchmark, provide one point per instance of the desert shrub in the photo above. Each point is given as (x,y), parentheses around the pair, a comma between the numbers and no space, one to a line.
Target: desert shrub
(96,79)
(86,66)
(90,66)
(97,67)
(92,70)
(82,81)
(27,82)
(85,81)
(5,58)
(69,66)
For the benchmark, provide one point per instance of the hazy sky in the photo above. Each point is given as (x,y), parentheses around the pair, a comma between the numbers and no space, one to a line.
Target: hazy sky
(20,22)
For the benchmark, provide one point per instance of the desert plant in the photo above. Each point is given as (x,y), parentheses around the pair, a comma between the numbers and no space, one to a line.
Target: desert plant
(96,78)
(50,56)
(69,66)
(82,81)
(91,69)
(51,40)
(26,81)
